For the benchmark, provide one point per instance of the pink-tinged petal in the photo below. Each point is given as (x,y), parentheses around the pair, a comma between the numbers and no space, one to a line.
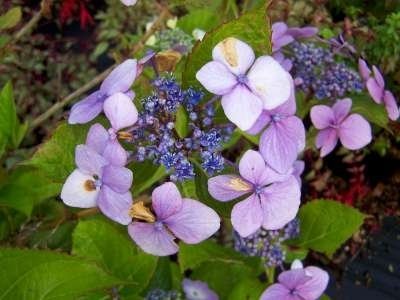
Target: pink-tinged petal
(89,161)
(281,142)
(115,205)
(313,288)
(86,109)
(129,2)
(242,107)
(326,140)
(262,121)
(197,290)
(363,69)
(355,132)
(166,200)
(236,55)
(303,32)
(341,109)
(194,222)
(228,187)
(322,116)
(117,178)
(76,191)
(375,90)
(378,77)
(293,278)
(252,166)
(97,138)
(280,203)
(277,291)
(391,106)
(115,154)
(270,81)
(120,111)
(121,78)
(216,78)
(153,239)
(247,216)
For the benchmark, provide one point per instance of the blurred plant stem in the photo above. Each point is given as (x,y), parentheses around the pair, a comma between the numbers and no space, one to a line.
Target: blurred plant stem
(87,212)
(270,272)
(99,78)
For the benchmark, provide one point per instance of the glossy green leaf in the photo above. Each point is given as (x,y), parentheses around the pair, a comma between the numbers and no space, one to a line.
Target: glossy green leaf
(325,225)
(373,112)
(10,18)
(145,174)
(203,19)
(249,289)
(33,274)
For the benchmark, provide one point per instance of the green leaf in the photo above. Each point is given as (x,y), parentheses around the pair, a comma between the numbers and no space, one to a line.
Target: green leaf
(10,18)
(203,19)
(25,188)
(325,225)
(33,274)
(294,253)
(56,157)
(201,182)
(162,277)
(145,174)
(252,28)
(249,289)
(8,114)
(114,251)
(182,122)
(191,256)
(373,112)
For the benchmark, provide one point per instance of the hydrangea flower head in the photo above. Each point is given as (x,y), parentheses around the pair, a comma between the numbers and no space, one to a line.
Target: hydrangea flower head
(273,199)
(174,217)
(118,81)
(247,85)
(198,290)
(298,284)
(337,123)
(97,183)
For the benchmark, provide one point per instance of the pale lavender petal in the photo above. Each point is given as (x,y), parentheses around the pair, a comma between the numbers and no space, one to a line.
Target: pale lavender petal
(120,79)
(313,288)
(270,176)
(285,62)
(89,161)
(228,187)
(216,78)
(391,106)
(120,111)
(97,138)
(247,216)
(303,32)
(270,81)
(166,200)
(115,205)
(86,109)
(375,90)
(281,41)
(280,203)
(194,222)
(355,132)
(363,69)
(341,109)
(242,107)
(378,77)
(117,178)
(77,193)
(326,140)
(278,29)
(197,290)
(288,108)
(277,291)
(322,116)
(129,2)
(131,94)
(153,239)
(298,169)
(252,166)
(262,121)
(293,278)
(234,54)
(115,154)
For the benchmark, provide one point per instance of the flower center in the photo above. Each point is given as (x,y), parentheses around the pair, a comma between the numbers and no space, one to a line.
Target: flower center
(277,117)
(258,190)
(158,225)
(242,79)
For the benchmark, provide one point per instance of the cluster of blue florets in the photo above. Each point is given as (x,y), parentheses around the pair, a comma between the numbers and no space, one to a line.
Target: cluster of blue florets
(159,294)
(267,244)
(316,71)
(156,139)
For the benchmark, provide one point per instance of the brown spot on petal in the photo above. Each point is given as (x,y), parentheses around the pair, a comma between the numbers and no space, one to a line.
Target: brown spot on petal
(229,51)
(239,185)
(89,185)
(140,212)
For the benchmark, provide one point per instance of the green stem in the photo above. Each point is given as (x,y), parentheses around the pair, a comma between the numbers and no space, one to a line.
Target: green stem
(270,272)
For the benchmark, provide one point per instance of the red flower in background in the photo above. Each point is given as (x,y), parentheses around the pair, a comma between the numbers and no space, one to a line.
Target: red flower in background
(69,9)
